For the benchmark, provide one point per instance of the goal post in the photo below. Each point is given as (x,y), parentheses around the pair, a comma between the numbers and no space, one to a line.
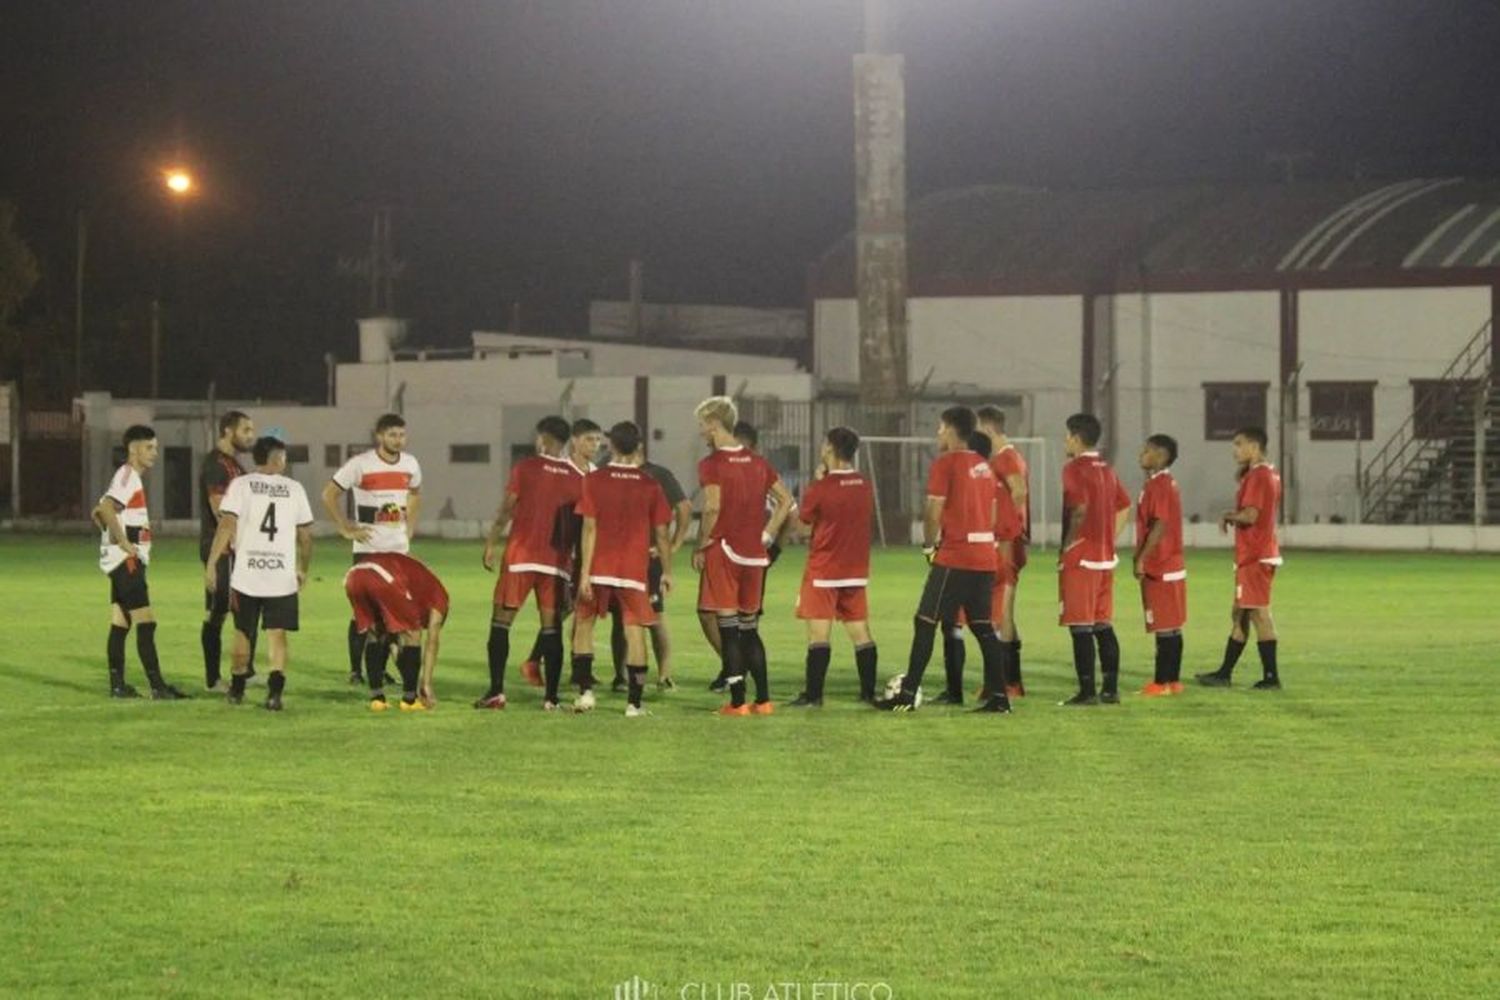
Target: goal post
(897,467)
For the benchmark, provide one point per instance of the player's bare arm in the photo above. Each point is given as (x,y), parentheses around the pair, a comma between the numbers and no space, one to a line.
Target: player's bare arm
(413,512)
(107,516)
(1016,487)
(782,498)
(333,503)
(663,544)
(1121,517)
(1243,517)
(304,552)
(683,516)
(228,524)
(1072,528)
(586,560)
(932,523)
(1147,545)
(706,524)
(502,521)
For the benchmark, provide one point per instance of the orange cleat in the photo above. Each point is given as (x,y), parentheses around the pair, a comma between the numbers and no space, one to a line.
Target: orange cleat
(1176,687)
(734,709)
(1155,690)
(1014,691)
(762,708)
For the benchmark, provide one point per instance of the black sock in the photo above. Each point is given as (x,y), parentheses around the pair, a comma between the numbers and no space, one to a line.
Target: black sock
(617,646)
(755,658)
(409,663)
(1175,663)
(276,683)
(356,647)
(994,659)
(1163,671)
(732,659)
(818,655)
(923,635)
(1109,658)
(1267,650)
(549,642)
(1232,650)
(237,684)
(955,653)
(1015,662)
(114,653)
(145,647)
(583,671)
(377,655)
(499,652)
(213,649)
(866,661)
(636,685)
(1009,671)
(1083,662)
(250,657)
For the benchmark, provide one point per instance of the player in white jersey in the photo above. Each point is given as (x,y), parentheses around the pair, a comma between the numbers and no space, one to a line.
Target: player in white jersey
(267,519)
(124,552)
(387,483)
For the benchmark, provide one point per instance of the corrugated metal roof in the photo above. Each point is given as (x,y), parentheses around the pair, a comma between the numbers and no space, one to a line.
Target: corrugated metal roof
(1089,239)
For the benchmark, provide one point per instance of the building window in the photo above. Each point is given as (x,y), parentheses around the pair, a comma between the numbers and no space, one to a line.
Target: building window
(296,454)
(469,453)
(1342,411)
(1438,407)
(333,456)
(1228,406)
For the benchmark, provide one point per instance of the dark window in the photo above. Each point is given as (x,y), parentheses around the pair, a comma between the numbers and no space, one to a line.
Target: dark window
(333,456)
(296,454)
(469,453)
(521,451)
(1342,411)
(1439,408)
(1228,406)
(177,482)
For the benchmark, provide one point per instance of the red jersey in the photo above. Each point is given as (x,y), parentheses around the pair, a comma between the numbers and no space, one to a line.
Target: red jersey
(412,579)
(625,502)
(965,484)
(543,528)
(1260,487)
(1011,522)
(743,478)
(839,506)
(1161,500)
(1090,483)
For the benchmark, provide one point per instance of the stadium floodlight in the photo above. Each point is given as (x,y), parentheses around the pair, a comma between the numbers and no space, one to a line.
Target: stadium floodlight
(178,181)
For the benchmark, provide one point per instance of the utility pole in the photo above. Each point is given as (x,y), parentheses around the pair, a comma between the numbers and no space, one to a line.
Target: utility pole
(156,347)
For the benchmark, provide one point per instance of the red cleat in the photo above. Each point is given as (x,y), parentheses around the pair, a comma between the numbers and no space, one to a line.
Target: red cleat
(1014,691)
(762,708)
(734,709)
(532,672)
(1155,690)
(1176,687)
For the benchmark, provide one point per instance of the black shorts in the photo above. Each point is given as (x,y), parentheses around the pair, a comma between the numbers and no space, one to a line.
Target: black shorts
(950,590)
(127,586)
(251,613)
(653,585)
(216,601)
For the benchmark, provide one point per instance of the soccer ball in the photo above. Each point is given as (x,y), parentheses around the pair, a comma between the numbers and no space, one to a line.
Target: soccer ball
(893,688)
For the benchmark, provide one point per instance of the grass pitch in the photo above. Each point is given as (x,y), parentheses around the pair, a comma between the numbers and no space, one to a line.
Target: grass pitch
(1336,838)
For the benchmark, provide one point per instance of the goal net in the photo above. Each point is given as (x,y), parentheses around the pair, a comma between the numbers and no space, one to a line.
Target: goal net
(897,468)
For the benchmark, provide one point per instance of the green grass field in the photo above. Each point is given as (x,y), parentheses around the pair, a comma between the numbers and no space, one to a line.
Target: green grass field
(1337,838)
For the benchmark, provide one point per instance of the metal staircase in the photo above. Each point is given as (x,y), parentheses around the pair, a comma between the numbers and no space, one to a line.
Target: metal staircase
(1451,473)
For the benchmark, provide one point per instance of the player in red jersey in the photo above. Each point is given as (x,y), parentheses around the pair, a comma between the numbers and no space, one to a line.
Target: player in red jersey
(836,510)
(396,598)
(731,555)
(624,511)
(538,556)
(1012,536)
(1158,562)
(958,532)
(1095,508)
(1257,553)
(955,653)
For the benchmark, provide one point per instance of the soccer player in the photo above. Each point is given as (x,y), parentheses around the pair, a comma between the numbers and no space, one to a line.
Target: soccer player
(220,467)
(387,486)
(396,598)
(1095,508)
(1158,563)
(266,519)
(955,654)
(958,538)
(124,552)
(1257,553)
(624,510)
(538,555)
(836,508)
(1012,535)
(731,557)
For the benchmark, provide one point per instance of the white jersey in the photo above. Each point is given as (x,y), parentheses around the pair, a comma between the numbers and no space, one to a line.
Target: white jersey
(268,511)
(129,495)
(381,490)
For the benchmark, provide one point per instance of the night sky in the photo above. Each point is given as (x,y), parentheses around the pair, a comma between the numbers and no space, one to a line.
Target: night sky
(532,148)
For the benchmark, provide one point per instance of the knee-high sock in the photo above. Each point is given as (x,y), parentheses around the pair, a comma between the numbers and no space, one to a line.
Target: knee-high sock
(923,635)
(1232,650)
(994,658)
(1163,668)
(1083,660)
(1267,650)
(551,644)
(356,647)
(212,639)
(114,653)
(276,683)
(583,671)
(1015,661)
(732,658)
(1175,675)
(377,655)
(818,656)
(1011,659)
(1109,658)
(145,647)
(636,685)
(955,653)
(755,656)
(617,644)
(409,663)
(498,650)
(867,661)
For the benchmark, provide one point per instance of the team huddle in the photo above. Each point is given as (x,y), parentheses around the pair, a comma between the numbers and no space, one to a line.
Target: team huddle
(584,541)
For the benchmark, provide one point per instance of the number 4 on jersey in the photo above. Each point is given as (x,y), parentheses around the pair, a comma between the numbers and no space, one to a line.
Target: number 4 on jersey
(268,523)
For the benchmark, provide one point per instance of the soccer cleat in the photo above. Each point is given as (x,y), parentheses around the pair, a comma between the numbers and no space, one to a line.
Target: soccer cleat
(1079,699)
(167,693)
(355,677)
(379,705)
(635,712)
(495,702)
(1155,690)
(999,705)
(949,698)
(734,709)
(803,701)
(899,702)
(1109,697)
(123,691)
(273,703)
(532,672)
(666,684)
(1176,687)
(1014,691)
(1267,684)
(585,702)
(220,686)
(1214,679)
(763,708)
(548,705)
(719,684)
(413,706)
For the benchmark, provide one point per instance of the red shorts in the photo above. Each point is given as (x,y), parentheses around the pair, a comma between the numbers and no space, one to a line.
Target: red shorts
(843,604)
(376,600)
(1252,585)
(1011,559)
(1085,596)
(635,605)
(726,585)
(1165,602)
(512,589)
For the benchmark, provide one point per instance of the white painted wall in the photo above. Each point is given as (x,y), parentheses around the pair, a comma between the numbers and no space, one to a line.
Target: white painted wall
(638,359)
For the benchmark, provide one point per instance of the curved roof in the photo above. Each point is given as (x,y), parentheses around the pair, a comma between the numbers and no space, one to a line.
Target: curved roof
(992,239)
